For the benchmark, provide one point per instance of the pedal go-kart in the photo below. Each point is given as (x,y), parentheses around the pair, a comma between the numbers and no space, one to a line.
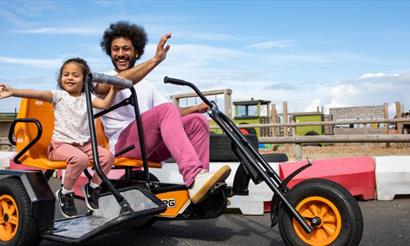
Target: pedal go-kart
(314,212)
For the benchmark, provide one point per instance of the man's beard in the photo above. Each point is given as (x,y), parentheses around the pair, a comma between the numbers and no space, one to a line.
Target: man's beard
(130,65)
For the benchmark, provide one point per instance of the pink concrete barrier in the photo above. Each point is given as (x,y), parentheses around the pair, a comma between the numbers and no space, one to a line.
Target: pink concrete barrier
(356,174)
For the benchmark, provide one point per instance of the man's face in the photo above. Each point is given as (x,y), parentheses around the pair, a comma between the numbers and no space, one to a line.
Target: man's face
(123,54)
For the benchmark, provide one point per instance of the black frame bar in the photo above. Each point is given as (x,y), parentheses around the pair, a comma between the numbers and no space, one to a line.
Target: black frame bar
(252,159)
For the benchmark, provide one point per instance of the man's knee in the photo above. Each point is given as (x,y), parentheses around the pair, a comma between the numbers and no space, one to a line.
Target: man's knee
(198,121)
(168,107)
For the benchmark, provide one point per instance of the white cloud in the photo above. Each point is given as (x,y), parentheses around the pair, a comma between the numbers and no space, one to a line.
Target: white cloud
(44,63)
(369,90)
(208,36)
(372,75)
(272,44)
(18,13)
(312,106)
(63,30)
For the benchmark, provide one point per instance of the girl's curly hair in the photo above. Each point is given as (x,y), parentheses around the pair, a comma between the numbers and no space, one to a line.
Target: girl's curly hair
(123,29)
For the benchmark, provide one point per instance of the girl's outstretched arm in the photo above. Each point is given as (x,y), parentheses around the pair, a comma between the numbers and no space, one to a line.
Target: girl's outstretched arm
(107,100)
(8,91)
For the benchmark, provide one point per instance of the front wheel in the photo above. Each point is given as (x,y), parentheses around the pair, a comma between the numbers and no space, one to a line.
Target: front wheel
(329,208)
(17,226)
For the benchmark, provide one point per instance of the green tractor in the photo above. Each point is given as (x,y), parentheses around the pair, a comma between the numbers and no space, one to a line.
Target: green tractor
(253,112)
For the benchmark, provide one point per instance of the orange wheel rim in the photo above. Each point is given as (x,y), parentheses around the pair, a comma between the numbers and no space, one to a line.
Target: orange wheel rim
(330,222)
(9,218)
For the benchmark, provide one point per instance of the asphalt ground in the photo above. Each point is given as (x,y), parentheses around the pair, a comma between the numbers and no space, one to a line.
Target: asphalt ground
(385,223)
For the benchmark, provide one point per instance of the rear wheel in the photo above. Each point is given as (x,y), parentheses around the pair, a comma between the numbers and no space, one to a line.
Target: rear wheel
(329,208)
(17,226)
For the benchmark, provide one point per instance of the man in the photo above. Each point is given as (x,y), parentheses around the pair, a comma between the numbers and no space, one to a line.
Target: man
(182,133)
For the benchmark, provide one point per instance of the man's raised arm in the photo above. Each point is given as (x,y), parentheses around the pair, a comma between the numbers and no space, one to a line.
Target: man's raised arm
(138,72)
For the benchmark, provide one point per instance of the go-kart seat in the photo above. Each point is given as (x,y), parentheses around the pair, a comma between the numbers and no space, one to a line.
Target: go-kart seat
(36,156)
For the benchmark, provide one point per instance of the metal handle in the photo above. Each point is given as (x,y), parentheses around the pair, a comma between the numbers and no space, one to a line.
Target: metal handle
(174,81)
(109,79)
(31,143)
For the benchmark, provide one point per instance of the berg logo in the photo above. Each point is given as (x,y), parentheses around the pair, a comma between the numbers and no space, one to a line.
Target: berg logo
(169,202)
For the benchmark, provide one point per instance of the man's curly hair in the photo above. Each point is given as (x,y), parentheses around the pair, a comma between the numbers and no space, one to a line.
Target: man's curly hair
(123,29)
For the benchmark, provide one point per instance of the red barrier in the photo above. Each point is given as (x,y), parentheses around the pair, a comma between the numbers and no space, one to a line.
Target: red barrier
(356,174)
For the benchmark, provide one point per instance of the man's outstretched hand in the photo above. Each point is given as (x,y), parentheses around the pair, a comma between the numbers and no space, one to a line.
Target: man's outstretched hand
(162,48)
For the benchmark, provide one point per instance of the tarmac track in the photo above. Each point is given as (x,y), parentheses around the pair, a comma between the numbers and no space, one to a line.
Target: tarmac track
(385,223)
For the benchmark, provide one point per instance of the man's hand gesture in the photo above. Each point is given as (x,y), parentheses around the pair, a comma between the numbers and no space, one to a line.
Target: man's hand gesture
(162,48)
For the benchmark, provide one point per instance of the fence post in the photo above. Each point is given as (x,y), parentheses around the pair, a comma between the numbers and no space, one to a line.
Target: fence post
(398,116)
(298,151)
(274,116)
(386,125)
(285,118)
(228,103)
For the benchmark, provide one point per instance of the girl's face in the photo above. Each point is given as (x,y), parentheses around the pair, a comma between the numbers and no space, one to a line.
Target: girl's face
(72,79)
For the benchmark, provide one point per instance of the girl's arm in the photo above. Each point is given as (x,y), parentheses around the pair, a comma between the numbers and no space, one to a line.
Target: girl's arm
(107,101)
(8,91)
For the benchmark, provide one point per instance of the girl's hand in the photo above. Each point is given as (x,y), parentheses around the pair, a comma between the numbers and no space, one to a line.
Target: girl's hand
(6,91)
(115,89)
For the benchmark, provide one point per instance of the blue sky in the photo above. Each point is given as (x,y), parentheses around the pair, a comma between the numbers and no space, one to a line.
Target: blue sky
(309,53)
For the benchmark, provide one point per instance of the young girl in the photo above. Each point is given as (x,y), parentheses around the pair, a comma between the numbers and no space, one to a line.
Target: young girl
(71,139)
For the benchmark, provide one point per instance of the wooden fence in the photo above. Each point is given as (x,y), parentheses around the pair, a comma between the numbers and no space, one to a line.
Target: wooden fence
(364,138)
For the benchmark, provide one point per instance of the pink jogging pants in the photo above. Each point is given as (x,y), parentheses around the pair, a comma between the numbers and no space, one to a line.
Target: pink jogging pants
(167,134)
(77,157)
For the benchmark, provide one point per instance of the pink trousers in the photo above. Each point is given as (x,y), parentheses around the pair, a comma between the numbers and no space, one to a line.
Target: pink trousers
(167,134)
(77,157)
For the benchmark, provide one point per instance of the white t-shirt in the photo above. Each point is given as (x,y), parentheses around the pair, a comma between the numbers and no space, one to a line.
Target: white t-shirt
(116,121)
(70,117)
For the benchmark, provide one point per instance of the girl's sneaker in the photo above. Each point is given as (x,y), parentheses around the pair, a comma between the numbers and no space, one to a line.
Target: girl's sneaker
(66,204)
(91,196)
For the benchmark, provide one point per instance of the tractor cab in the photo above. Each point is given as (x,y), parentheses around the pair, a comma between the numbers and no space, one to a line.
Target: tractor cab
(252,112)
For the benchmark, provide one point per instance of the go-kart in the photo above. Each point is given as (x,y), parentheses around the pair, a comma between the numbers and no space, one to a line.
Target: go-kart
(314,212)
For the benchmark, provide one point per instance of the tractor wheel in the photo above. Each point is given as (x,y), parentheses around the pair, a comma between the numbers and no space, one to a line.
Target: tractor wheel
(329,208)
(17,226)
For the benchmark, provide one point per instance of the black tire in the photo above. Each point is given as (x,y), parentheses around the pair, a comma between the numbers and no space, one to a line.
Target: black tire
(14,196)
(275,157)
(221,148)
(341,210)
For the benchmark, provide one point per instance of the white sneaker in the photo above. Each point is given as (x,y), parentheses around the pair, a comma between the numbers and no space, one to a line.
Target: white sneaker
(204,181)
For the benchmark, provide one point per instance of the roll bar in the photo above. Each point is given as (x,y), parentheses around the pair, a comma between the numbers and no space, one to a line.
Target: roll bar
(109,79)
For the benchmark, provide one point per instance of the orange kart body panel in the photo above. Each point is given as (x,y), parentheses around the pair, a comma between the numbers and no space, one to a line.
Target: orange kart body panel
(176,201)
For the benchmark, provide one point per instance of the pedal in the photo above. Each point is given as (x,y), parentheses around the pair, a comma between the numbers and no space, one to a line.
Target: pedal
(218,187)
